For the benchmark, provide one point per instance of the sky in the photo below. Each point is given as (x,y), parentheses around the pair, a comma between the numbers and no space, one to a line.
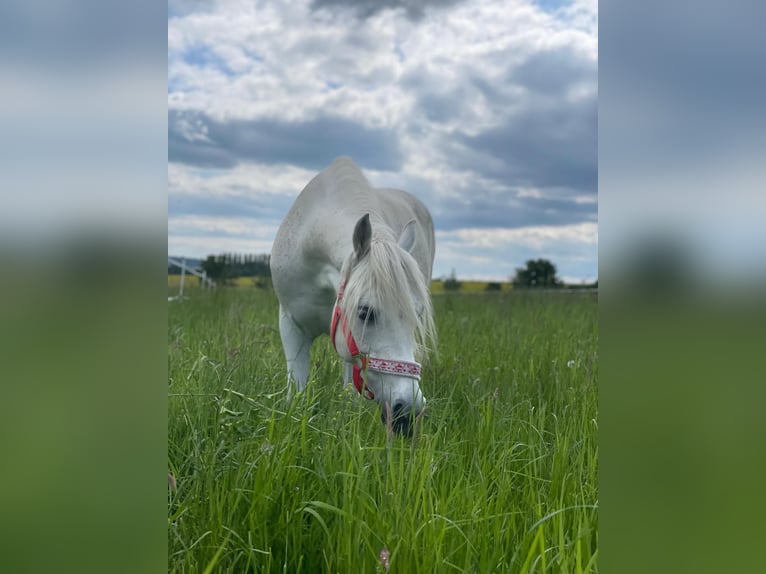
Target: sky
(485,110)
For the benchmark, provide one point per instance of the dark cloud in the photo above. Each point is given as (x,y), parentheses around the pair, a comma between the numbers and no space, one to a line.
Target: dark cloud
(439,99)
(486,209)
(545,76)
(553,140)
(263,206)
(480,206)
(553,71)
(415,9)
(541,138)
(543,146)
(196,139)
(439,108)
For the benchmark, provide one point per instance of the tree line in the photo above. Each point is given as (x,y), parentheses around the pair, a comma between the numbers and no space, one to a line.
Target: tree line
(232,265)
(536,274)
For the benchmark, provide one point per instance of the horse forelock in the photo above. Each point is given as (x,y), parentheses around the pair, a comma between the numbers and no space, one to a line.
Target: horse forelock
(385,277)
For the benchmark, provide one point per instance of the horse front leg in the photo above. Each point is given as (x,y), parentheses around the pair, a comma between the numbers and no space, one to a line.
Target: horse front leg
(297,346)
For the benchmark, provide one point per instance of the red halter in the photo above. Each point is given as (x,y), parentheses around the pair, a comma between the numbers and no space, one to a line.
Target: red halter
(391,367)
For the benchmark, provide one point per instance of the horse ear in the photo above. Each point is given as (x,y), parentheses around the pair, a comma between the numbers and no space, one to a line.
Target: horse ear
(362,236)
(407,236)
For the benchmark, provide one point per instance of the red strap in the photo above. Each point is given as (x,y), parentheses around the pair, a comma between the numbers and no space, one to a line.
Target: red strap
(359,379)
(338,316)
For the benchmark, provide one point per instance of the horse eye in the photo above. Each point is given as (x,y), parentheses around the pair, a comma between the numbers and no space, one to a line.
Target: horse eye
(366,314)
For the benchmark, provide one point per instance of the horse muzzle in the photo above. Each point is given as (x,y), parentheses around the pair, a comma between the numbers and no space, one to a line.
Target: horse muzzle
(403,418)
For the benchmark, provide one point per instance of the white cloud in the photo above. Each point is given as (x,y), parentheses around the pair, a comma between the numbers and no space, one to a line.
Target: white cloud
(244,180)
(284,57)
(202,246)
(245,227)
(539,237)
(494,254)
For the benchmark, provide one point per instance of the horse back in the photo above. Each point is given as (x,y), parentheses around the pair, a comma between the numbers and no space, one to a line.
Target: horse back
(316,234)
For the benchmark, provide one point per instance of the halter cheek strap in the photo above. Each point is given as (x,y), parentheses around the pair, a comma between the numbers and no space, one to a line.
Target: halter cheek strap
(388,366)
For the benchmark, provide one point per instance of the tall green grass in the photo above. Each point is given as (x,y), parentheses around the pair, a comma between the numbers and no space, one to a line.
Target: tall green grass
(501,478)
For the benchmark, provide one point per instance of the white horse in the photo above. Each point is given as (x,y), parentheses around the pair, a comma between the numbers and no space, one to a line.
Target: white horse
(355,262)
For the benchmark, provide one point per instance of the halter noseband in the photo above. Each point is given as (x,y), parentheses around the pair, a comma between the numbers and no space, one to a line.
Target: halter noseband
(388,366)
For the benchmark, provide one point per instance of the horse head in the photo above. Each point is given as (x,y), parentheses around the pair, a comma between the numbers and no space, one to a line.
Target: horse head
(383,320)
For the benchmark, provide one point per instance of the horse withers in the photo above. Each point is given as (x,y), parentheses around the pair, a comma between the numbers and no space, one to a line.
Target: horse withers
(355,262)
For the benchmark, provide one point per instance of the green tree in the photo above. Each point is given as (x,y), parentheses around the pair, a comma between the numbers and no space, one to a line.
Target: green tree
(538,273)
(214,266)
(232,265)
(451,283)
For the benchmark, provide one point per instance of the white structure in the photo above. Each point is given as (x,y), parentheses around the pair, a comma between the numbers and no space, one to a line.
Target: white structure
(204,280)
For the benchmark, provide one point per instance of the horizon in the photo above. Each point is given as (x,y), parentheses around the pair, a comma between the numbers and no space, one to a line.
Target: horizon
(492,279)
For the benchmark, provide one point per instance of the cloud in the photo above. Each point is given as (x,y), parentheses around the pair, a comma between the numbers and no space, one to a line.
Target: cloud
(259,192)
(512,210)
(266,206)
(203,245)
(195,138)
(494,254)
(554,71)
(518,108)
(535,237)
(414,9)
(213,226)
(545,146)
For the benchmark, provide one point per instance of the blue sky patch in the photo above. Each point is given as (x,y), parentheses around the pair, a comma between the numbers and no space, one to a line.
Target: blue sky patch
(551,5)
(202,56)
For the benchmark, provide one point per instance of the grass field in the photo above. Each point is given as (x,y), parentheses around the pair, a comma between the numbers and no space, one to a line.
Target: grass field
(502,478)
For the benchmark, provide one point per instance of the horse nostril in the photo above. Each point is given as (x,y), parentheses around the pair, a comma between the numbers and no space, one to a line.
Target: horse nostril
(403,418)
(398,411)
(403,425)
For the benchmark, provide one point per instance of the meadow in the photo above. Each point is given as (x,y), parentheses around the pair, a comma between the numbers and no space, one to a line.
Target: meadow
(502,476)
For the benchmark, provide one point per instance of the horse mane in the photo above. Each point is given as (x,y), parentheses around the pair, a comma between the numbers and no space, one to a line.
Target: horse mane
(384,277)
